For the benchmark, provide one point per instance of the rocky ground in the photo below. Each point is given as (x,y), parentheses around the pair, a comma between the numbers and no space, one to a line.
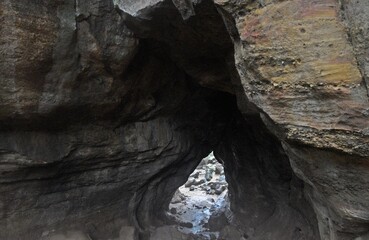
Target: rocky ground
(201,204)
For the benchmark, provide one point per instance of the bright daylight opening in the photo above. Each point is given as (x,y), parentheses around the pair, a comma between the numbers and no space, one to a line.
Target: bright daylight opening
(200,204)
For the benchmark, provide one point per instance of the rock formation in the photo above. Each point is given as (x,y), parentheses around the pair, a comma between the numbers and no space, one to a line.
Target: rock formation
(107,106)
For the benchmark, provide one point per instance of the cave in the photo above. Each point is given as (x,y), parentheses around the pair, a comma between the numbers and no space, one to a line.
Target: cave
(107,108)
(201,205)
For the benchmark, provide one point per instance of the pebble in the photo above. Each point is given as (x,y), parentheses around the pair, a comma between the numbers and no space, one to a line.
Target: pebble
(173,211)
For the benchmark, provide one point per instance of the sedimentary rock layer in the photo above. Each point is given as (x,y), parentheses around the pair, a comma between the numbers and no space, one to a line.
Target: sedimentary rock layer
(107,106)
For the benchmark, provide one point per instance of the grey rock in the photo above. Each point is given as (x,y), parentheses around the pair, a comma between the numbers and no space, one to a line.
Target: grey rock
(168,233)
(127,233)
(190,182)
(219,169)
(69,235)
(195,175)
(198,182)
(173,211)
(231,233)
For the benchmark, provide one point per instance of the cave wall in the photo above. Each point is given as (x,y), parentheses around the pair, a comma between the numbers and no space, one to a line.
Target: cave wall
(106,107)
(266,197)
(98,127)
(302,66)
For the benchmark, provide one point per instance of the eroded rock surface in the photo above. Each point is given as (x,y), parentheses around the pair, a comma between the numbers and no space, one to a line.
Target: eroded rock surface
(106,107)
(303,65)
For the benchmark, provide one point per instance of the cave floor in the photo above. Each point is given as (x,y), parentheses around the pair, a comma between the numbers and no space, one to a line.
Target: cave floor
(199,205)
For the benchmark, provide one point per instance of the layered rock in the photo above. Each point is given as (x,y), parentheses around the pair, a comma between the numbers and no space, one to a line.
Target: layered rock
(304,71)
(266,197)
(60,58)
(88,142)
(107,107)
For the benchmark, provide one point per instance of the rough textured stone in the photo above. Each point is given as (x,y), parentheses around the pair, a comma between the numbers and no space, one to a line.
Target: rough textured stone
(261,186)
(169,233)
(59,58)
(70,235)
(97,141)
(304,71)
(106,107)
(296,64)
(356,14)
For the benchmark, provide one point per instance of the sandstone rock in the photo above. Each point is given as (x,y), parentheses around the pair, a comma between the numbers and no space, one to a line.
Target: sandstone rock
(306,84)
(106,107)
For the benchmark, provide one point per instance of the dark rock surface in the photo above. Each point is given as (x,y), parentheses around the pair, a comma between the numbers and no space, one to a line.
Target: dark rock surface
(261,187)
(107,106)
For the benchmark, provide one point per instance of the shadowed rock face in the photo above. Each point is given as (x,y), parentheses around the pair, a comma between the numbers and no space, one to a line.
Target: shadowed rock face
(302,64)
(266,197)
(106,107)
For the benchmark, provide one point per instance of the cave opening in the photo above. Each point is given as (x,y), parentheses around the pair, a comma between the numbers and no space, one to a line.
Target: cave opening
(200,205)
(212,114)
(107,109)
